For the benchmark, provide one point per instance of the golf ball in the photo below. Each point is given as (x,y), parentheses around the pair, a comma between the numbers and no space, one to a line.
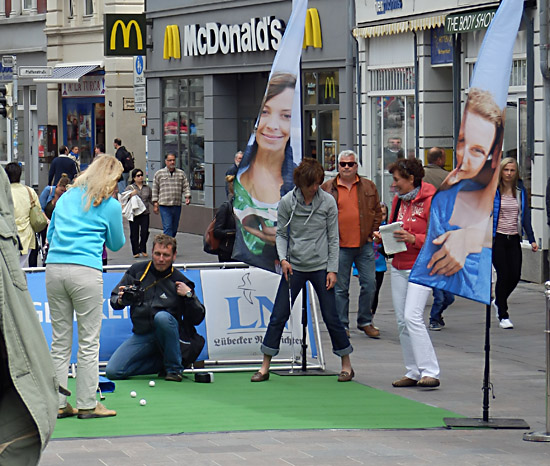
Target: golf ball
(152,383)
(143,402)
(133,394)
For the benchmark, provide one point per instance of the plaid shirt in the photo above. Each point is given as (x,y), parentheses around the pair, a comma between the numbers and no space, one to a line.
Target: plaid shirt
(168,188)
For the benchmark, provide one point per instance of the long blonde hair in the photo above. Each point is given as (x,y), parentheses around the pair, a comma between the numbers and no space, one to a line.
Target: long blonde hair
(99,180)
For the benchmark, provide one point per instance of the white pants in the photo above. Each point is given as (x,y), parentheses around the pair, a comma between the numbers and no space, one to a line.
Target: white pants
(409,301)
(79,288)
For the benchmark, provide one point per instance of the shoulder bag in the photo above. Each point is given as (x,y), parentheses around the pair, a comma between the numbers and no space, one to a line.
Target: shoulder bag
(39,221)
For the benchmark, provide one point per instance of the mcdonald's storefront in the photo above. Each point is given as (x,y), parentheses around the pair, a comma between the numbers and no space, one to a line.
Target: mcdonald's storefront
(206,76)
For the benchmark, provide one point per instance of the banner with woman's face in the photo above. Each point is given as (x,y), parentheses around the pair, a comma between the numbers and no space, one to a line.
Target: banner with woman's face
(272,153)
(457,254)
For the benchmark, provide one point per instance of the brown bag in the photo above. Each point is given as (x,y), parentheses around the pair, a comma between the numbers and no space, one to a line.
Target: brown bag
(39,221)
(211,244)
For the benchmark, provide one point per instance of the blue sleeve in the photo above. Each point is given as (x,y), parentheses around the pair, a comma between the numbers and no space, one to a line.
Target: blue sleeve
(114,238)
(526,217)
(51,228)
(43,199)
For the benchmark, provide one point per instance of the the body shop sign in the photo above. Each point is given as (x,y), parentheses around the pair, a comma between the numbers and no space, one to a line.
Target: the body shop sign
(257,35)
(469,21)
(86,86)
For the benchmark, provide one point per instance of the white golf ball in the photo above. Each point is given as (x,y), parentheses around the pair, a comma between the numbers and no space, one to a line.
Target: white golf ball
(152,383)
(133,394)
(143,402)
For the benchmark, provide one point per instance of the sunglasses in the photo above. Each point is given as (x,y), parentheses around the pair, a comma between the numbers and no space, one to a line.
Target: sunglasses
(139,174)
(348,164)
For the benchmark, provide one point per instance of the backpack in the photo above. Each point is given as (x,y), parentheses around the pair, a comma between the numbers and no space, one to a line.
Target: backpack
(127,160)
(211,244)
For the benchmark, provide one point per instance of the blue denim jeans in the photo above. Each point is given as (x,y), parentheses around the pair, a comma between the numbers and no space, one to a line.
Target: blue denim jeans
(281,312)
(148,353)
(442,300)
(170,216)
(364,261)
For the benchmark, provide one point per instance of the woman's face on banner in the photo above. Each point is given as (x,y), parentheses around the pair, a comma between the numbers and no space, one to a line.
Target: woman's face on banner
(475,140)
(274,126)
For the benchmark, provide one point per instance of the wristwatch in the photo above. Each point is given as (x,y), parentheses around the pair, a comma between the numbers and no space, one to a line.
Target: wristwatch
(189,294)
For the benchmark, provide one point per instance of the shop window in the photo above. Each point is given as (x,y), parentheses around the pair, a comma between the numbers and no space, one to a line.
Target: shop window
(321,119)
(515,138)
(70,9)
(392,79)
(393,137)
(183,134)
(518,74)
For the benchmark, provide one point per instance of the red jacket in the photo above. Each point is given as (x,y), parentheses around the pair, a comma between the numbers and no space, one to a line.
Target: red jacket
(414,215)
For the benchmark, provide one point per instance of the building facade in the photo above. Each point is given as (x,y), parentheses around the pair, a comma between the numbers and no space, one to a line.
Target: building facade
(207,72)
(416,60)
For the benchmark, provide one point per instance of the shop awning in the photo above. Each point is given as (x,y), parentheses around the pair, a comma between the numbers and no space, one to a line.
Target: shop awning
(68,73)
(401,27)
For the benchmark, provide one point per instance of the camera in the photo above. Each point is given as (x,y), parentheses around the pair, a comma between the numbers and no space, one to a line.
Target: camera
(133,294)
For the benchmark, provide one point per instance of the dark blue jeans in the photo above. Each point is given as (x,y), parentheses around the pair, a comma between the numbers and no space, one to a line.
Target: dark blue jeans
(442,300)
(148,353)
(170,216)
(281,312)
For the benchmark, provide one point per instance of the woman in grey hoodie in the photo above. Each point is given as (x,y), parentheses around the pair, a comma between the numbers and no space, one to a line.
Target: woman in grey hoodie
(307,246)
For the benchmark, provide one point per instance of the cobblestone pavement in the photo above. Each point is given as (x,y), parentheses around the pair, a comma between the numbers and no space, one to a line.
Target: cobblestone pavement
(517,373)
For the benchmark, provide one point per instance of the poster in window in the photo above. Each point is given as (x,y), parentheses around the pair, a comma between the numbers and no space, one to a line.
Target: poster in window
(329,155)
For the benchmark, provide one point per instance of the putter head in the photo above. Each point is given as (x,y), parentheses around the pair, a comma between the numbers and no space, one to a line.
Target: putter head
(64,391)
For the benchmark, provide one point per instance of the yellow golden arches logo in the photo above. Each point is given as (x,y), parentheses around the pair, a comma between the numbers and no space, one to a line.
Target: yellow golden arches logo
(312,34)
(172,45)
(330,88)
(126,28)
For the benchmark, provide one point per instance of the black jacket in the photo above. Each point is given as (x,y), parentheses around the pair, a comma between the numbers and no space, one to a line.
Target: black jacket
(224,227)
(158,297)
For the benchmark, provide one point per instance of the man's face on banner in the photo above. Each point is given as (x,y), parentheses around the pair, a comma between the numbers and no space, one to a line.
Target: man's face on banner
(274,125)
(475,140)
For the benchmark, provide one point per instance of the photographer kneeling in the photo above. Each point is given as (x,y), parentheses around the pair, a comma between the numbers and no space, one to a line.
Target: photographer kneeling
(163,309)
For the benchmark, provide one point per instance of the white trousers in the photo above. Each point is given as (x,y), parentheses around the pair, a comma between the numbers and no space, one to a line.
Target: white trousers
(76,288)
(409,301)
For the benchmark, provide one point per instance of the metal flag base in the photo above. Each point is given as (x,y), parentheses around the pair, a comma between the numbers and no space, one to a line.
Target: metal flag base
(537,437)
(501,423)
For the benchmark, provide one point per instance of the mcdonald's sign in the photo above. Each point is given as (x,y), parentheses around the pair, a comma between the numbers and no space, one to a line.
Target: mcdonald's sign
(330,88)
(172,44)
(124,35)
(312,35)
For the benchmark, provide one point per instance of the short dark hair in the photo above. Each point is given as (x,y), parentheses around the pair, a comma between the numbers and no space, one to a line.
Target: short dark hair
(170,153)
(13,170)
(101,148)
(309,172)
(434,154)
(165,240)
(62,150)
(118,142)
(408,167)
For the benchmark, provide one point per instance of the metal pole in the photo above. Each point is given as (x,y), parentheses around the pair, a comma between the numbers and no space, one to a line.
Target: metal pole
(486,374)
(304,327)
(15,123)
(544,436)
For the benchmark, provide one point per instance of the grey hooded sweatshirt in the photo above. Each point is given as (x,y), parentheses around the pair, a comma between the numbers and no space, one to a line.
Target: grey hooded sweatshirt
(307,235)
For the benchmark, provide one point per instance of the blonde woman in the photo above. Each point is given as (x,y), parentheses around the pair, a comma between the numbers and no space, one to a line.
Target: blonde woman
(85,217)
(511,218)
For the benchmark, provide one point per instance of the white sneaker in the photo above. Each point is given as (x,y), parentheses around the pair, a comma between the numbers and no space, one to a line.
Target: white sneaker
(494,304)
(506,323)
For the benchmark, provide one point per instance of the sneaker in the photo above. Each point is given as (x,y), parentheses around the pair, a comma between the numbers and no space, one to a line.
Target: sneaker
(174,377)
(441,322)
(98,411)
(435,326)
(67,411)
(506,323)
(370,330)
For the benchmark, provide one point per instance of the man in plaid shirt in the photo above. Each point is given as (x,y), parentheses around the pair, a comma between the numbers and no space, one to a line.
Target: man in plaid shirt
(170,185)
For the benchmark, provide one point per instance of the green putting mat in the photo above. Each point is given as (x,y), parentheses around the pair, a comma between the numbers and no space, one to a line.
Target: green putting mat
(233,403)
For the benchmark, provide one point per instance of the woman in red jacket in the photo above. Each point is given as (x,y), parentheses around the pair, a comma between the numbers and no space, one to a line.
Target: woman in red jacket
(411,205)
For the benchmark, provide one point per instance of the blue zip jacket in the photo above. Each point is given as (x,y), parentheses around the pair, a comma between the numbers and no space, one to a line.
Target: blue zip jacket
(524,217)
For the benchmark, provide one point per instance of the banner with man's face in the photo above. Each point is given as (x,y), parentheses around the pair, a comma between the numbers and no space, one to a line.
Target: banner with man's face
(457,254)
(272,153)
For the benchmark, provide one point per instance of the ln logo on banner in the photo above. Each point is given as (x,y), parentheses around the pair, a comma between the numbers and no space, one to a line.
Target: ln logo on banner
(243,301)
(124,35)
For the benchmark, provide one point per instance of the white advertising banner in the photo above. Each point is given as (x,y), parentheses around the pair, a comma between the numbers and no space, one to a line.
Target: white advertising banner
(239,304)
